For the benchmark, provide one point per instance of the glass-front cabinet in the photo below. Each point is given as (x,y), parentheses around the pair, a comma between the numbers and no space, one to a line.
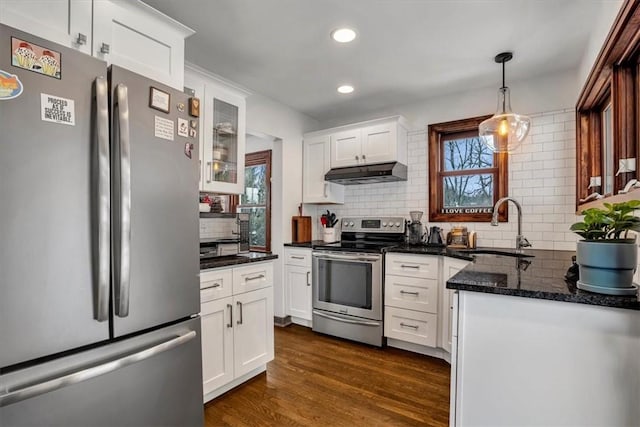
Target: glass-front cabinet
(223,128)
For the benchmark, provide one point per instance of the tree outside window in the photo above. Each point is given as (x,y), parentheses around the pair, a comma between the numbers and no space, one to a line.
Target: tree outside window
(256,199)
(465,177)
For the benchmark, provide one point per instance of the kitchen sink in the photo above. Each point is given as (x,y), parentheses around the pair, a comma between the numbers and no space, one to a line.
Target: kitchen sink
(501,252)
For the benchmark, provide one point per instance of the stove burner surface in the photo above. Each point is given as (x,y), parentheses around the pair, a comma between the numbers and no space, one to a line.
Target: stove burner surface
(360,246)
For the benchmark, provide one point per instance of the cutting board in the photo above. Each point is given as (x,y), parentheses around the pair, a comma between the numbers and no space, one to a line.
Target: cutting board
(300,229)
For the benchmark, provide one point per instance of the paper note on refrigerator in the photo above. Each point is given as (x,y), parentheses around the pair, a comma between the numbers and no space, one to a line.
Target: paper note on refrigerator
(57,110)
(164,128)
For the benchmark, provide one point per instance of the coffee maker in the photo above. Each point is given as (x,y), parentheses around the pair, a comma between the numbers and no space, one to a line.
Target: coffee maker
(415,228)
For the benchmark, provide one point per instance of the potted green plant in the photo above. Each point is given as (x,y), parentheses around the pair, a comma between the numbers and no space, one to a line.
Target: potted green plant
(608,255)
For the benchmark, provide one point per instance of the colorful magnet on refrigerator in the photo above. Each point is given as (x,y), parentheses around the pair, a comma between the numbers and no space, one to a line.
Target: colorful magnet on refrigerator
(193,124)
(10,86)
(35,58)
(183,127)
(194,107)
(193,133)
(188,147)
(180,107)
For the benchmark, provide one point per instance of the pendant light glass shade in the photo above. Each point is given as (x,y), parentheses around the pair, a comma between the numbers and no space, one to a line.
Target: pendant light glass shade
(505,131)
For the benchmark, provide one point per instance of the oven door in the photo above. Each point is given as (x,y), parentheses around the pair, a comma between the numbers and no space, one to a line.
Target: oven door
(348,283)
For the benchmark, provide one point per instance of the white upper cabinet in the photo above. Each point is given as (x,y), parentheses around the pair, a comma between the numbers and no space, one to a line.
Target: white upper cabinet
(66,22)
(380,143)
(317,162)
(223,131)
(365,143)
(141,39)
(346,148)
(130,34)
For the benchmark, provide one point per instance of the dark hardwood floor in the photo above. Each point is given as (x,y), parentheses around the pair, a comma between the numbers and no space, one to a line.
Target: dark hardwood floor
(316,380)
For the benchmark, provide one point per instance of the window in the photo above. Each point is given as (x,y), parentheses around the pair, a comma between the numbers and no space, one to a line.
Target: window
(607,150)
(256,199)
(465,177)
(608,115)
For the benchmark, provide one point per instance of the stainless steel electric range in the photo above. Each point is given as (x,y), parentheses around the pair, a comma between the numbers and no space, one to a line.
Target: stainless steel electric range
(347,279)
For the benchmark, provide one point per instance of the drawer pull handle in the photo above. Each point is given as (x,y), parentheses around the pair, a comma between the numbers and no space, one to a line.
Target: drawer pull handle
(297,257)
(215,285)
(409,266)
(230,324)
(239,304)
(259,276)
(308,274)
(406,325)
(410,293)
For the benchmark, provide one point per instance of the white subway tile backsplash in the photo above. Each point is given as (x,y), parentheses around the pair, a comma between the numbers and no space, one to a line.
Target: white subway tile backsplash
(541,176)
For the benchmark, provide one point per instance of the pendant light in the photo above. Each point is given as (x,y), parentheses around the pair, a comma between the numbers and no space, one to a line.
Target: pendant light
(505,131)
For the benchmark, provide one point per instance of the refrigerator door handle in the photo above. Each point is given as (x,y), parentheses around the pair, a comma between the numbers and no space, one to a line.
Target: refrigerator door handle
(104,198)
(28,391)
(124,239)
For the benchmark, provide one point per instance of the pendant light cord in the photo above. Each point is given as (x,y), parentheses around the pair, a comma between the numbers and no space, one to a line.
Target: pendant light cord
(504,98)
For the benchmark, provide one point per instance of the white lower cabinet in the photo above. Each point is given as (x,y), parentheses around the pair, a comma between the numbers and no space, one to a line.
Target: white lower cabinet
(253,330)
(450,267)
(411,326)
(217,344)
(418,305)
(237,330)
(411,298)
(298,290)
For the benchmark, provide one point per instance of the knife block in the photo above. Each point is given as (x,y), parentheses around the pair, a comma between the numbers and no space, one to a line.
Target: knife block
(300,229)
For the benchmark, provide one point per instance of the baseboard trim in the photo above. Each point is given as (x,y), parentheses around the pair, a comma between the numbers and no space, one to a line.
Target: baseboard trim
(416,348)
(282,321)
(235,383)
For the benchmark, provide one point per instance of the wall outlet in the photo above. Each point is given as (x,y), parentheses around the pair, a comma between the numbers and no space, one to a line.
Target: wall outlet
(626,165)
(595,181)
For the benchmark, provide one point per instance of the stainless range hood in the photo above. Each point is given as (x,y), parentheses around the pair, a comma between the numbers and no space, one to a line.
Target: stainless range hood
(368,174)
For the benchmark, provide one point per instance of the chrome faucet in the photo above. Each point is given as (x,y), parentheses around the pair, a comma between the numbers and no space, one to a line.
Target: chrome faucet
(521,241)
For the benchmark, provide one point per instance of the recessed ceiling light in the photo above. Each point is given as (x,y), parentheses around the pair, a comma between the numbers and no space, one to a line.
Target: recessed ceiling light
(343,35)
(345,89)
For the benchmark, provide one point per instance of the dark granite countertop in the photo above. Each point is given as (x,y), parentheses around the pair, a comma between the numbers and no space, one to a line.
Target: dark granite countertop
(305,244)
(540,276)
(428,250)
(227,261)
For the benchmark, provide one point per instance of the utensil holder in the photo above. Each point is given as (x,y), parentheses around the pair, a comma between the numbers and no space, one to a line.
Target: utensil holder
(330,235)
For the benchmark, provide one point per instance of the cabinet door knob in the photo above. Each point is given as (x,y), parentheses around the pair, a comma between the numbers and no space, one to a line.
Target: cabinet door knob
(105,48)
(357,158)
(364,157)
(81,39)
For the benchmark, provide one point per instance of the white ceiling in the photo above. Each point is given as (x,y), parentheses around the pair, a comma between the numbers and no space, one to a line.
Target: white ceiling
(406,50)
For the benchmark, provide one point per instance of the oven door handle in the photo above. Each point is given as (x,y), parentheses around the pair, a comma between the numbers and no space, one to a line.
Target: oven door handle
(342,319)
(319,255)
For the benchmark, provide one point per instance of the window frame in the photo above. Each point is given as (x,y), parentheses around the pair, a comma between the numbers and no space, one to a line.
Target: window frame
(255,159)
(436,134)
(614,78)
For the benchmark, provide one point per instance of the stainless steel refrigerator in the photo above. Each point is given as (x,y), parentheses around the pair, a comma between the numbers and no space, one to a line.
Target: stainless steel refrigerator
(99,291)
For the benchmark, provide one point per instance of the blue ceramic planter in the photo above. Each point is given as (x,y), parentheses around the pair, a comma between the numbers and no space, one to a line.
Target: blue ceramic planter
(606,263)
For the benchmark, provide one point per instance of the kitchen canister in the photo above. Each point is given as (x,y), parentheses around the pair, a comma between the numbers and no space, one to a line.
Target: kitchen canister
(330,234)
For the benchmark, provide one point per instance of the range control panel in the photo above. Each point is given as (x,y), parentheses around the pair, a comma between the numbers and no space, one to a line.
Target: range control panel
(386,224)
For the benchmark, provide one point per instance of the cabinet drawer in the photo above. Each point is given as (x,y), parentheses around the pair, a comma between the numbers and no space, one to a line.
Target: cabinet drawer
(411,326)
(412,265)
(251,277)
(215,284)
(299,257)
(412,293)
